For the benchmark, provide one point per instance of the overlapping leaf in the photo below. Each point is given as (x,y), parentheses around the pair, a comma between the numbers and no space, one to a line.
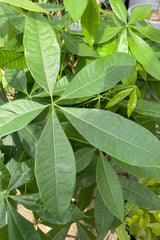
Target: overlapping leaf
(74,11)
(11,59)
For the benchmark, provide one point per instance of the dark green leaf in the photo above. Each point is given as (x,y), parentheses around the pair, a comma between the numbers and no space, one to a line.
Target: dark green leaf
(85,197)
(4,176)
(83,158)
(84,234)
(58,234)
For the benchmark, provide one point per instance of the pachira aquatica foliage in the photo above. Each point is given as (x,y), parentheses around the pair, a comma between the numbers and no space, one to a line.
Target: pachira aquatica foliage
(76,107)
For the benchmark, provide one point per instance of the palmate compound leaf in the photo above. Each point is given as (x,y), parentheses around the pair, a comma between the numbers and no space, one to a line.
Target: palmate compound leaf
(17,114)
(100,75)
(109,187)
(42,51)
(55,168)
(115,135)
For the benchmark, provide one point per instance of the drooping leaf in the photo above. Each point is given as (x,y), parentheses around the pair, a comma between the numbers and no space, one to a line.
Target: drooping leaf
(119,9)
(139,13)
(17,114)
(2,211)
(74,11)
(10,59)
(144,54)
(109,187)
(18,227)
(103,217)
(42,51)
(83,158)
(90,21)
(100,75)
(140,195)
(26,4)
(55,168)
(117,136)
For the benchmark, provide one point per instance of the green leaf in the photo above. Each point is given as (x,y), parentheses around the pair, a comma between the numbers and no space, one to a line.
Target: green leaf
(42,53)
(107,34)
(122,232)
(16,78)
(58,234)
(11,59)
(145,172)
(149,31)
(140,13)
(115,135)
(30,201)
(132,102)
(100,75)
(155,228)
(2,211)
(4,233)
(55,168)
(4,176)
(122,45)
(140,195)
(26,4)
(119,9)
(83,158)
(103,217)
(18,227)
(17,114)
(85,197)
(118,97)
(109,187)
(145,55)
(51,7)
(20,176)
(75,8)
(90,21)
(84,234)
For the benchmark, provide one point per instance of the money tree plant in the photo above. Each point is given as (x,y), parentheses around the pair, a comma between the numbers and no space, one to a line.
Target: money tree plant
(66,136)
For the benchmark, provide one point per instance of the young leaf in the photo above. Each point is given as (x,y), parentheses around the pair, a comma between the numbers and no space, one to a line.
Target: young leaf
(118,97)
(42,51)
(122,232)
(83,158)
(55,168)
(109,187)
(90,21)
(100,75)
(132,102)
(18,227)
(145,55)
(119,9)
(17,114)
(140,195)
(75,8)
(12,60)
(119,137)
(26,4)
(139,13)
(103,217)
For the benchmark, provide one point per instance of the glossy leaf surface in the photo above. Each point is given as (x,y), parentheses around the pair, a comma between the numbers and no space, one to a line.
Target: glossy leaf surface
(42,51)
(109,187)
(117,136)
(17,114)
(55,168)
(119,9)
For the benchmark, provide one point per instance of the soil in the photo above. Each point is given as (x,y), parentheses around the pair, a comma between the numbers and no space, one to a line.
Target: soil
(154,16)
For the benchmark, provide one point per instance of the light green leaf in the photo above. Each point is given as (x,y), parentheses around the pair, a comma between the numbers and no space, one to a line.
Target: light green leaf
(103,217)
(140,13)
(122,233)
(17,114)
(90,21)
(55,168)
(83,158)
(119,9)
(140,195)
(149,31)
(100,75)
(20,176)
(11,59)
(42,51)
(107,34)
(18,227)
(30,201)
(155,228)
(145,55)
(26,4)
(132,102)
(122,45)
(109,187)
(2,211)
(75,8)
(115,135)
(16,78)
(118,97)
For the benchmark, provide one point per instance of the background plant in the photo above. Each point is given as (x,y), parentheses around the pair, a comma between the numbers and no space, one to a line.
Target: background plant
(55,130)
